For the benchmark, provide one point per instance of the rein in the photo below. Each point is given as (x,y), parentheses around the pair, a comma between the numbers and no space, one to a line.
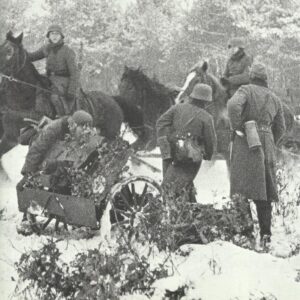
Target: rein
(13,79)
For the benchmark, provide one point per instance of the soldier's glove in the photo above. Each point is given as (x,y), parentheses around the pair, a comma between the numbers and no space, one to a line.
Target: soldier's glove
(224,81)
(70,97)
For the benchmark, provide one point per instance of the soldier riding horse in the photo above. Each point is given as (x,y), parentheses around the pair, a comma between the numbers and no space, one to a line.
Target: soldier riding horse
(23,83)
(155,98)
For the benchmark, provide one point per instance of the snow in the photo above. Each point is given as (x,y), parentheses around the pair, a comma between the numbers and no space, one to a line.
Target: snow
(236,274)
(219,270)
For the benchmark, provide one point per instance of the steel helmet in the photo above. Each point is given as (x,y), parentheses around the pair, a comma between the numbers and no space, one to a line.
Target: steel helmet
(81,117)
(55,28)
(259,71)
(202,91)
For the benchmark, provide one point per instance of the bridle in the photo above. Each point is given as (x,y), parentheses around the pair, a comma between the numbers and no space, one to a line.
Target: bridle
(20,67)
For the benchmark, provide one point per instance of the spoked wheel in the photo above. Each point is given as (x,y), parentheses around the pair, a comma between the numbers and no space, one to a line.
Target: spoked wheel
(58,220)
(33,223)
(136,207)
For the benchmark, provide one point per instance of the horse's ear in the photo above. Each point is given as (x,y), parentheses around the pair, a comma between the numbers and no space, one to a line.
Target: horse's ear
(204,66)
(19,38)
(9,36)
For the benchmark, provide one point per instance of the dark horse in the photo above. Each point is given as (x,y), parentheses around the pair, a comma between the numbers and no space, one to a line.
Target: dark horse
(23,82)
(151,97)
(154,98)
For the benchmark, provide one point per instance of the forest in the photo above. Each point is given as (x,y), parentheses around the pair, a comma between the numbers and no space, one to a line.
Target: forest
(157,256)
(165,38)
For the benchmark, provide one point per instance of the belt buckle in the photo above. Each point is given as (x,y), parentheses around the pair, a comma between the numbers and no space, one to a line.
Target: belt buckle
(264,128)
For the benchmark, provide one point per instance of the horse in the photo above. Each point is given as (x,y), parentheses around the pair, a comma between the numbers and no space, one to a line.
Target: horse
(23,82)
(149,93)
(154,99)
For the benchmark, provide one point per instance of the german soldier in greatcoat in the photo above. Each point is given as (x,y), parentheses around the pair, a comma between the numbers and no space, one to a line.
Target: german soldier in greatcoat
(253,173)
(187,119)
(237,68)
(61,68)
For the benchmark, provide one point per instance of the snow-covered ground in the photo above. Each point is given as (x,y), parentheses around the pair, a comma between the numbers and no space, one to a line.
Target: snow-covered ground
(219,270)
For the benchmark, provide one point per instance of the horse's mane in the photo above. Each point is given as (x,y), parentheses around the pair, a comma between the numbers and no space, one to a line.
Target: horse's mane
(141,81)
(219,93)
(216,81)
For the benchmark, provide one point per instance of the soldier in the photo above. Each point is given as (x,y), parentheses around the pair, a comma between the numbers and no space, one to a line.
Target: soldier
(43,144)
(253,160)
(237,67)
(61,69)
(51,133)
(186,135)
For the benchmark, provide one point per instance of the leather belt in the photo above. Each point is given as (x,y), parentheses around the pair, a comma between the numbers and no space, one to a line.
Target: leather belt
(58,73)
(264,128)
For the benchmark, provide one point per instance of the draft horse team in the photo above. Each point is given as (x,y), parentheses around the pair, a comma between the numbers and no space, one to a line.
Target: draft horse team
(186,124)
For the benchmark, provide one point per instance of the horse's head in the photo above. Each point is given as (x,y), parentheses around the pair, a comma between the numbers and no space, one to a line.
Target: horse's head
(199,74)
(132,84)
(137,86)
(11,52)
(201,68)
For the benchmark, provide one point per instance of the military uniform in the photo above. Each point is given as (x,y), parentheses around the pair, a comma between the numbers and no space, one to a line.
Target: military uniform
(237,68)
(182,119)
(253,172)
(61,68)
(48,136)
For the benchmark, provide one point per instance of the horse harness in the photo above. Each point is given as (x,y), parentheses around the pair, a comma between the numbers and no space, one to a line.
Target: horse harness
(12,78)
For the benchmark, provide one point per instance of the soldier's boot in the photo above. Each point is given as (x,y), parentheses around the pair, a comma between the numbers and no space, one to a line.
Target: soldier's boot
(265,242)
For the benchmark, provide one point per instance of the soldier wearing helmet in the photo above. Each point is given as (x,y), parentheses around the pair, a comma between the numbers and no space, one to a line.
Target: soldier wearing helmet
(53,131)
(61,69)
(237,68)
(189,124)
(253,169)
(48,145)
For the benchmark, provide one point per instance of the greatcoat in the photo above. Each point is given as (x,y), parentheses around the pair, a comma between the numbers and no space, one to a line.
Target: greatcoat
(253,172)
(43,144)
(61,68)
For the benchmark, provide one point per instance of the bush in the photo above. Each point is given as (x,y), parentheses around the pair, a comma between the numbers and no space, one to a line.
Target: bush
(92,275)
(181,222)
